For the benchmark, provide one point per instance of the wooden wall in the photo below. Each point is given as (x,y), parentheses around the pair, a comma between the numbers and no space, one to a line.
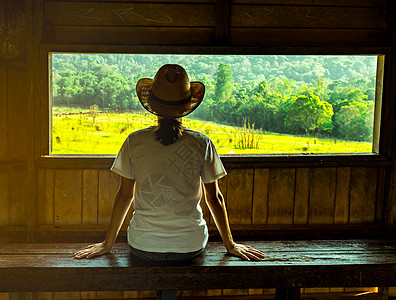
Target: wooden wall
(59,199)
(14,125)
(276,196)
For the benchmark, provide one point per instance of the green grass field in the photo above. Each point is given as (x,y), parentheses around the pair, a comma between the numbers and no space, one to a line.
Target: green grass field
(77,131)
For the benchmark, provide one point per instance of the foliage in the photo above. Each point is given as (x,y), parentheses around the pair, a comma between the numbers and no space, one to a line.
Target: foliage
(330,96)
(309,113)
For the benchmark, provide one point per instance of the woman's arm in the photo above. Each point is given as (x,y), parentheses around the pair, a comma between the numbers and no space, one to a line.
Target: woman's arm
(215,202)
(121,206)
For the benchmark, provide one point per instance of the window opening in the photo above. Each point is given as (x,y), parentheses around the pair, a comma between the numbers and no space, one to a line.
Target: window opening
(254,104)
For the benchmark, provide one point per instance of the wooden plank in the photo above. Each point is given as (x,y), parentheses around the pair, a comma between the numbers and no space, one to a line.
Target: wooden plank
(192,293)
(235,292)
(17,114)
(3,31)
(65,295)
(90,233)
(18,197)
(16,29)
(379,87)
(341,207)
(44,295)
(130,14)
(232,162)
(363,195)
(301,196)
(356,3)
(357,263)
(281,195)
(145,1)
(222,21)
(68,197)
(31,207)
(109,295)
(322,195)
(90,197)
(108,186)
(138,36)
(130,294)
(260,197)
(4,199)
(279,37)
(45,196)
(307,17)
(213,292)
(3,114)
(240,195)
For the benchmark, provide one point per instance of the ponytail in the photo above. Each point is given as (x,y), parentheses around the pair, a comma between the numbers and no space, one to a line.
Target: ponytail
(168,131)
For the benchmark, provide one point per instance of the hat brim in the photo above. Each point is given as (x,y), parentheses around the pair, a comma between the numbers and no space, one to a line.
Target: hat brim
(143,90)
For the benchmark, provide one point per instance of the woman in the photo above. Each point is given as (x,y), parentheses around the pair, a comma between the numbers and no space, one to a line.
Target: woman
(162,169)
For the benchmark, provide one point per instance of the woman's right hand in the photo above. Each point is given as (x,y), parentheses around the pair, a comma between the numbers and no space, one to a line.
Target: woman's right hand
(93,251)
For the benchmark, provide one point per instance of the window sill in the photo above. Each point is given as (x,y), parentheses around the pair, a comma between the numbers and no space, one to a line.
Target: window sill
(233,161)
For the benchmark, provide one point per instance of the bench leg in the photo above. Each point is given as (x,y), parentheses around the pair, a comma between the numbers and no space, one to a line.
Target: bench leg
(287,294)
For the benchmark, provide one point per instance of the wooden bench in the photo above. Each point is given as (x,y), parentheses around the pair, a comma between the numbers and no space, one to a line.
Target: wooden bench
(289,266)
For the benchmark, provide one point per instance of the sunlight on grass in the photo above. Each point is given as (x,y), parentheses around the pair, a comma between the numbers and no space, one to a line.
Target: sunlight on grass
(77,131)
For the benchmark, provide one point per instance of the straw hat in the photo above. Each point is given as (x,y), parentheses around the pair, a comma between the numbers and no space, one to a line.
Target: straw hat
(170,94)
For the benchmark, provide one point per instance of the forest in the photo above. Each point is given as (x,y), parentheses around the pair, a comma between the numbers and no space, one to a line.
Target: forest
(320,96)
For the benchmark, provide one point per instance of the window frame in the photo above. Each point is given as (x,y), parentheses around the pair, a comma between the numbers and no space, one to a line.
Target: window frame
(380,141)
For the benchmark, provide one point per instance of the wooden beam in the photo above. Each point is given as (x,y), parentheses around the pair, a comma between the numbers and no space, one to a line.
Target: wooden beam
(231,161)
(222,21)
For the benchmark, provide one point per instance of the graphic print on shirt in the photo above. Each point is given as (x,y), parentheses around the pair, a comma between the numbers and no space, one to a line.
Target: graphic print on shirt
(185,161)
(157,190)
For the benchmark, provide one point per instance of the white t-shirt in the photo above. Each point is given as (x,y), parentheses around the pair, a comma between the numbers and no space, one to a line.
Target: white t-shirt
(167,216)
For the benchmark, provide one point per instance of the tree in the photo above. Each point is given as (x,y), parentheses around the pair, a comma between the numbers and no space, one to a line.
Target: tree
(309,113)
(223,86)
(355,121)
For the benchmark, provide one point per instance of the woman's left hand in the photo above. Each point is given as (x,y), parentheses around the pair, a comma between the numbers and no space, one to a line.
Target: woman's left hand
(246,252)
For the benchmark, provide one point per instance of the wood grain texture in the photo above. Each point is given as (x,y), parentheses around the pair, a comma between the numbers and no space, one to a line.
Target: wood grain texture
(239,196)
(3,31)
(322,195)
(363,195)
(130,14)
(314,263)
(356,3)
(3,114)
(281,196)
(379,90)
(301,197)
(281,37)
(4,199)
(68,197)
(16,30)
(260,197)
(135,36)
(341,206)
(18,197)
(45,196)
(307,17)
(108,186)
(90,197)
(17,114)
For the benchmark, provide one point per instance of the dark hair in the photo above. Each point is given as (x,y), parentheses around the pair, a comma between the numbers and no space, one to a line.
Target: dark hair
(168,131)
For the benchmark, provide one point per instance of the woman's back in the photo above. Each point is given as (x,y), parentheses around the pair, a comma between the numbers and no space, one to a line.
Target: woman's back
(168,189)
